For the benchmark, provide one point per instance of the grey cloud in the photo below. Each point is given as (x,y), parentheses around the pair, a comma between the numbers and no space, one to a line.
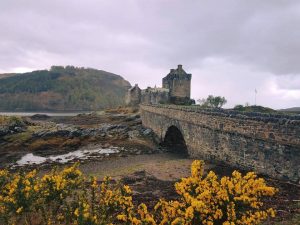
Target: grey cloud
(131,37)
(289,82)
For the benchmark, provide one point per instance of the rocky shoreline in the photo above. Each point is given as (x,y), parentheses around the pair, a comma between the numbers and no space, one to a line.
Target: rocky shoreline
(45,137)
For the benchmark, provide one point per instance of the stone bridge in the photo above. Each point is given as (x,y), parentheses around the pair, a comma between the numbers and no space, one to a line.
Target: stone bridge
(266,143)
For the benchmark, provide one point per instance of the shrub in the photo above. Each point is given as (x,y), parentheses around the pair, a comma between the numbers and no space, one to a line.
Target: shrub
(212,101)
(208,200)
(67,197)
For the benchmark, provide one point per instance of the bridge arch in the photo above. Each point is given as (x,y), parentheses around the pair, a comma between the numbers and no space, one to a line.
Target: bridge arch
(174,140)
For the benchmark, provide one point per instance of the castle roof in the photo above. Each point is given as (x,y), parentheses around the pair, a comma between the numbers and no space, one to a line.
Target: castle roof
(178,73)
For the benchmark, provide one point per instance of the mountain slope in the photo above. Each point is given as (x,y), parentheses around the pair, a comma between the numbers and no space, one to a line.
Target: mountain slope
(62,88)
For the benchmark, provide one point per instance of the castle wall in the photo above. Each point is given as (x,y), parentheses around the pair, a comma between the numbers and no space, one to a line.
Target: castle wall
(155,96)
(180,88)
(165,84)
(133,97)
(267,144)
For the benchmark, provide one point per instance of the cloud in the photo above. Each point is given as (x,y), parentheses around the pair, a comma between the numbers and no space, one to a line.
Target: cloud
(230,46)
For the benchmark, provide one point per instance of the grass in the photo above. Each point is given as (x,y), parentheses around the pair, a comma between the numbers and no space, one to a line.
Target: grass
(293,221)
(46,143)
(11,120)
(20,137)
(124,110)
(71,142)
(54,142)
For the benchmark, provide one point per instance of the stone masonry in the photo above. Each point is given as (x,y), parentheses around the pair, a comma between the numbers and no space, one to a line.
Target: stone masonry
(267,144)
(133,97)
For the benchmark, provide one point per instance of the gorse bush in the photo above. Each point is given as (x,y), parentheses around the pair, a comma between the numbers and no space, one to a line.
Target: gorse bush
(208,200)
(67,197)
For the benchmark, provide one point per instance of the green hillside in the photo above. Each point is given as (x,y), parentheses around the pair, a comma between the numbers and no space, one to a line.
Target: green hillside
(62,88)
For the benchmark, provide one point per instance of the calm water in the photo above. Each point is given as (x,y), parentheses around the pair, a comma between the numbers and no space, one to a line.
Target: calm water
(44,113)
(81,154)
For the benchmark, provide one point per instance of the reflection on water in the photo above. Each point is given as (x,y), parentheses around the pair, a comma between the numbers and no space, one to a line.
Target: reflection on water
(43,113)
(81,154)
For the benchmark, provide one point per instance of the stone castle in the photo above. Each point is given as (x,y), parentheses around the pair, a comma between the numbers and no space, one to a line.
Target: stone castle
(176,89)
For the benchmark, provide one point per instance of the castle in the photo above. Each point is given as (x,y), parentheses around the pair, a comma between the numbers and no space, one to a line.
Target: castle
(176,89)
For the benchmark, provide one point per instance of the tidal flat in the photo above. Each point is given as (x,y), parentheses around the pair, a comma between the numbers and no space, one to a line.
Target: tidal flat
(114,144)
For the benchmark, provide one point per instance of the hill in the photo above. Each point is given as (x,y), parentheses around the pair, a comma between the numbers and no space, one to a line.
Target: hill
(293,109)
(254,108)
(3,75)
(62,89)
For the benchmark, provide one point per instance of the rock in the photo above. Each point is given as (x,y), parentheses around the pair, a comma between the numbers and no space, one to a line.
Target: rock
(106,145)
(132,118)
(133,134)
(40,117)
(147,132)
(4,131)
(75,133)
(48,161)
(18,129)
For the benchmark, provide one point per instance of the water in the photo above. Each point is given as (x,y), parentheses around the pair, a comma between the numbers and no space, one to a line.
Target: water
(82,154)
(44,113)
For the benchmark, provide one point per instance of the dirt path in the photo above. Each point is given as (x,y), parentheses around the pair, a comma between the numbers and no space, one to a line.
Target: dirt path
(163,166)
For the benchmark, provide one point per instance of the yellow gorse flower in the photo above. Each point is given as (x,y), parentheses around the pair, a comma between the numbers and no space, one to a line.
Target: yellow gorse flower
(66,196)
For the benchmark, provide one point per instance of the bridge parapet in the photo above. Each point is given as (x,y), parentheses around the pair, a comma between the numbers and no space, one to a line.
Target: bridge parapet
(284,129)
(266,117)
(268,143)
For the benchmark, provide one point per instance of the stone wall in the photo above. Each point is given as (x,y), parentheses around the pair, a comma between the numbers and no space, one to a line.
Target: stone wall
(133,96)
(267,144)
(155,96)
(180,88)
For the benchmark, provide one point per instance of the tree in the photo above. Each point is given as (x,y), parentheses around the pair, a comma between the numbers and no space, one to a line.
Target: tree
(213,101)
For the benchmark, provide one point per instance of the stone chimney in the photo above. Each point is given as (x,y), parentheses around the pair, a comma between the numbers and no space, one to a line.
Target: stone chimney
(172,70)
(179,67)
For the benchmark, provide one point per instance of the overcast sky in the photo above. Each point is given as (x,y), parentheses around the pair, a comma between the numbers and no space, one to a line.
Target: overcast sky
(231,47)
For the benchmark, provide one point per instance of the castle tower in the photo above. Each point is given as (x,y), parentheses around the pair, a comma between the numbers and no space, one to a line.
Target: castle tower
(179,84)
